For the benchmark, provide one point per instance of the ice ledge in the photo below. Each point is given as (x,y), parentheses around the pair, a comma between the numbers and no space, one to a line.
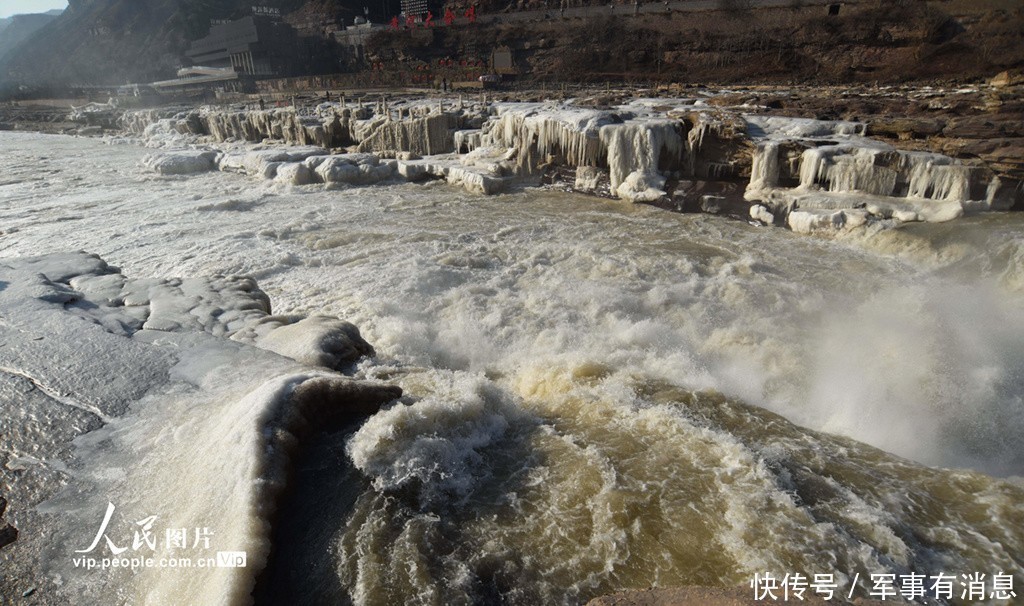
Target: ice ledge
(204,397)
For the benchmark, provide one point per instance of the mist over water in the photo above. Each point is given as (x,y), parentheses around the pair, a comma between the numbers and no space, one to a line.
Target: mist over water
(606,395)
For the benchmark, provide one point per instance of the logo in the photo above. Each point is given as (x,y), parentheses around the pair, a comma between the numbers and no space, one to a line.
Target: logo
(147,545)
(230,559)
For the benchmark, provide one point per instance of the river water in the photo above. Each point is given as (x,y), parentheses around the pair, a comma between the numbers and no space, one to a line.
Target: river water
(606,395)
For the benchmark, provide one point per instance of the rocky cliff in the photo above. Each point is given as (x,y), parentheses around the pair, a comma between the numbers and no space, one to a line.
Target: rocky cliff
(868,41)
(118,41)
(15,30)
(115,41)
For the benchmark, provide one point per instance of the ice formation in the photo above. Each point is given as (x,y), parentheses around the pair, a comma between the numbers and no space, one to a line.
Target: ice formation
(181,162)
(210,423)
(639,147)
(646,150)
(264,162)
(634,152)
(480,173)
(762,214)
(809,221)
(468,140)
(350,168)
(829,166)
(764,171)
(315,341)
(420,128)
(588,178)
(537,131)
(429,135)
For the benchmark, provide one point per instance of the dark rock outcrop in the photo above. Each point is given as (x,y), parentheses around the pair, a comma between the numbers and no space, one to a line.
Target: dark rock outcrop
(8,533)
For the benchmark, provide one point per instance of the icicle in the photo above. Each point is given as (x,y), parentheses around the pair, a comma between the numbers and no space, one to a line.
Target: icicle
(933,179)
(764,173)
(637,146)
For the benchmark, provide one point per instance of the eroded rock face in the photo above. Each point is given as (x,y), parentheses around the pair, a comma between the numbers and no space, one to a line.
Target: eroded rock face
(1013,77)
(717,146)
(906,128)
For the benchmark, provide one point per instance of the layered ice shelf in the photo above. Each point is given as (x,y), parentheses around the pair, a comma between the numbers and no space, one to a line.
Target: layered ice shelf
(665,152)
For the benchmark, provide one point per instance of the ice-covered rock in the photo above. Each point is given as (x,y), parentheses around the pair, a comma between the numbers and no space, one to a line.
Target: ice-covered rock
(880,170)
(711,203)
(641,186)
(183,162)
(536,131)
(426,129)
(327,129)
(801,165)
(784,127)
(479,179)
(717,145)
(810,221)
(250,163)
(855,217)
(764,172)
(640,146)
(360,169)
(415,170)
(475,180)
(907,210)
(317,341)
(294,173)
(494,161)
(467,140)
(264,162)
(761,213)
(588,178)
(580,137)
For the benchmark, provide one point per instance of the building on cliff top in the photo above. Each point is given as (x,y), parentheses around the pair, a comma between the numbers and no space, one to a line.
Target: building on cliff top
(256,45)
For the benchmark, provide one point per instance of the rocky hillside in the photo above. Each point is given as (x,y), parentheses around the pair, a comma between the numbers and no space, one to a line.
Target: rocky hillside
(15,30)
(117,41)
(870,41)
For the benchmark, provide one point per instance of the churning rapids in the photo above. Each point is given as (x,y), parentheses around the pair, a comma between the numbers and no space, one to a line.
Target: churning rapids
(597,395)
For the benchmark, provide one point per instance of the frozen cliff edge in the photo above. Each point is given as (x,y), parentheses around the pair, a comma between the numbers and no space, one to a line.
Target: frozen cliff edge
(682,154)
(818,176)
(178,407)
